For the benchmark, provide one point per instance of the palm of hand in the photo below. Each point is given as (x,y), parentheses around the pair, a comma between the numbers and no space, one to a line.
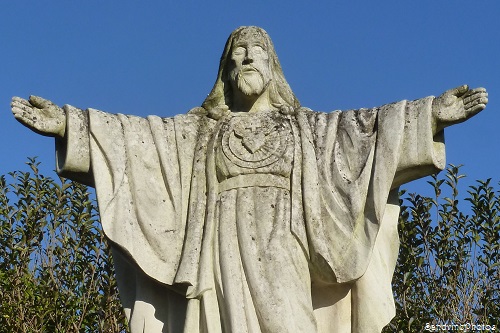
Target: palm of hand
(40,115)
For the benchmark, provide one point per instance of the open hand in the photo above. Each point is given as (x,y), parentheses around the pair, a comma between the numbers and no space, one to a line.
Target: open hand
(40,115)
(457,105)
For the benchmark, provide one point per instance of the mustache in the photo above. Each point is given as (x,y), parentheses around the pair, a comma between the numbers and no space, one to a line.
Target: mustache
(242,77)
(248,68)
(238,74)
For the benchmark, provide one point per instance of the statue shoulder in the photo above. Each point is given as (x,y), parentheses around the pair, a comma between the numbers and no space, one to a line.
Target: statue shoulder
(185,124)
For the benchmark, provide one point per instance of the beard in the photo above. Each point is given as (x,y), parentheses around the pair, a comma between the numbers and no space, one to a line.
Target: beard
(249,82)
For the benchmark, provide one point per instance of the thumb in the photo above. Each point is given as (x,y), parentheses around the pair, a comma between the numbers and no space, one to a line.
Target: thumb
(40,102)
(459,91)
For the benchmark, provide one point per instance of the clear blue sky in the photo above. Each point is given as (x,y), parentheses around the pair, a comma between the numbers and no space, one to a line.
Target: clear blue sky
(161,57)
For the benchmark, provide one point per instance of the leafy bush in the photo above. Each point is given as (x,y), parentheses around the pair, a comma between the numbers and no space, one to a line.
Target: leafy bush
(448,268)
(56,273)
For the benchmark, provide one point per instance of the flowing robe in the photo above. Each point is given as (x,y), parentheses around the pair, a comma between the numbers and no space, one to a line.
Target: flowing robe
(187,245)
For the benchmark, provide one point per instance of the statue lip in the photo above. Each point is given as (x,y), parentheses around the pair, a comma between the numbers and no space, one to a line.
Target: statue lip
(249,69)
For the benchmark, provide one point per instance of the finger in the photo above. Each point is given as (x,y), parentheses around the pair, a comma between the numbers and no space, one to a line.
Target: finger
(476,91)
(23,116)
(472,106)
(18,104)
(22,112)
(478,100)
(18,107)
(17,111)
(475,110)
(475,100)
(19,101)
(477,96)
(479,89)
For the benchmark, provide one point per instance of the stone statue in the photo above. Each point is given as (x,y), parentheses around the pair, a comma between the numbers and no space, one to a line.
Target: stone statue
(252,213)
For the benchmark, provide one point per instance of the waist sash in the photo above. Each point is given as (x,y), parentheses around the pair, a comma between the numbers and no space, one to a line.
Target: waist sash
(261,180)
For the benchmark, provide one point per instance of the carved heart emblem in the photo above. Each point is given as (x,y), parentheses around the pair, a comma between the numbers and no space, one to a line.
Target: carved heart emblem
(254,141)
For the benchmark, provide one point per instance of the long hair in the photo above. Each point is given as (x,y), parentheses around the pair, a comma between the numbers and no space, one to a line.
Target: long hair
(280,92)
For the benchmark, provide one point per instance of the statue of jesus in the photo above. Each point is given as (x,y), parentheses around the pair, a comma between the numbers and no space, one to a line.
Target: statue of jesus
(252,213)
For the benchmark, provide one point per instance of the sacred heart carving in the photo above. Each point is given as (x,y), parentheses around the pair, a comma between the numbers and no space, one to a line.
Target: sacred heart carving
(253,134)
(254,141)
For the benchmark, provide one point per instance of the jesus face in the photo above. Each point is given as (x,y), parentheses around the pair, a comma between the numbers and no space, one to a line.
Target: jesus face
(250,73)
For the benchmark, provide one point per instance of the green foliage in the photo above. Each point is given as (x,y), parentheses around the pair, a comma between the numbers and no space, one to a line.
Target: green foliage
(56,273)
(449,262)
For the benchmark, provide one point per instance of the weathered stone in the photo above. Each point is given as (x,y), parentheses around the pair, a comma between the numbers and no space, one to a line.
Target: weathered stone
(252,213)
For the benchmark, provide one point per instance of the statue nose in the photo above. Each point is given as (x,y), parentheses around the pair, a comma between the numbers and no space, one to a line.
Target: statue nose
(248,60)
(249,56)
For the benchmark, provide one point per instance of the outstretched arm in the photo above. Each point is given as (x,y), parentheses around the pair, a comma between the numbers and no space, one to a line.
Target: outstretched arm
(457,105)
(40,115)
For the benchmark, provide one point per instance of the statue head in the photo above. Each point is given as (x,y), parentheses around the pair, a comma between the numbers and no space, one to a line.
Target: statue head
(249,63)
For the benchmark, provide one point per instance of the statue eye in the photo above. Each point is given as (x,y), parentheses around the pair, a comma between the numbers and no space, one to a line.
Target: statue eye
(239,51)
(257,49)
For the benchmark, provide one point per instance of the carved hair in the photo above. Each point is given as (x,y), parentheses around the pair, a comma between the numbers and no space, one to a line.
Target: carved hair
(280,92)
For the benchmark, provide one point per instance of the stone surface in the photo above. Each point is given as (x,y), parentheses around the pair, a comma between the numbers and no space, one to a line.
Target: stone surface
(252,213)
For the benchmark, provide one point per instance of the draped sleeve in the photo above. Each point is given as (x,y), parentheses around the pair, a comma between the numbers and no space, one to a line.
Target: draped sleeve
(141,169)
(351,161)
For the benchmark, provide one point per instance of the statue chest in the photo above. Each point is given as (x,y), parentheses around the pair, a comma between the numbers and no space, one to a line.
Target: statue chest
(254,144)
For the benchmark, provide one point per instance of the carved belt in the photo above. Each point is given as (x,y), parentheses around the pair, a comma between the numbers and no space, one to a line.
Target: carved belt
(261,180)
